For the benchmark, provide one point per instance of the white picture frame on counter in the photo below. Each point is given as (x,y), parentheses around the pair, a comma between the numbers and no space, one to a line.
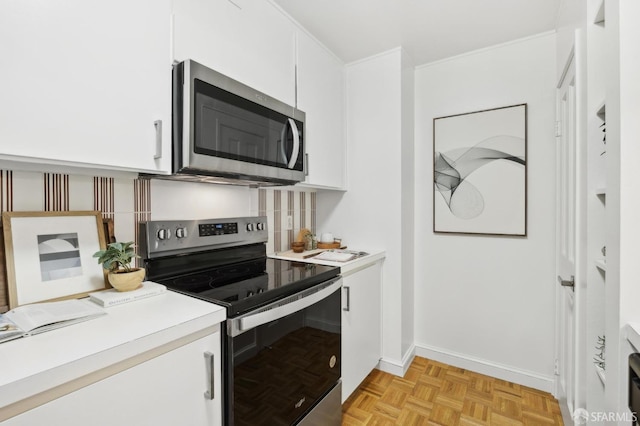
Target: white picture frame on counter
(49,255)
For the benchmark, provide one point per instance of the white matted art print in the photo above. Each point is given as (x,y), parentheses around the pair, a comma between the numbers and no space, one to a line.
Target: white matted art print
(480,172)
(50,255)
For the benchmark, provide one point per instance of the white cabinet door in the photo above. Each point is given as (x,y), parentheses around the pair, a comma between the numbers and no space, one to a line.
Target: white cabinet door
(83,81)
(166,390)
(249,41)
(361,326)
(321,97)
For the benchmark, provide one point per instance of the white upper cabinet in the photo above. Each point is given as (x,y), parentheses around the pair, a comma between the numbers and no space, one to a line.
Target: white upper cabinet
(83,81)
(88,83)
(247,40)
(254,43)
(321,96)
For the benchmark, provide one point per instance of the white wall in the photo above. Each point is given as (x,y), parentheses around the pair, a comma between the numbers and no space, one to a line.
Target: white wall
(370,214)
(407,186)
(488,303)
(571,17)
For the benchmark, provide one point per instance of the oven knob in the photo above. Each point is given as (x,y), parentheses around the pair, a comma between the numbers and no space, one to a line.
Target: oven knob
(249,227)
(260,290)
(260,226)
(249,293)
(181,232)
(164,234)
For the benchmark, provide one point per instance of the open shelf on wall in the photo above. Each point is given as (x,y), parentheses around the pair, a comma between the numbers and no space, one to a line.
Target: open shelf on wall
(602,111)
(601,373)
(599,18)
(601,264)
(601,192)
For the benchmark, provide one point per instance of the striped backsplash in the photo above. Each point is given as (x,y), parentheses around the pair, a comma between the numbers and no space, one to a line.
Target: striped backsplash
(6,190)
(279,206)
(56,192)
(128,201)
(104,196)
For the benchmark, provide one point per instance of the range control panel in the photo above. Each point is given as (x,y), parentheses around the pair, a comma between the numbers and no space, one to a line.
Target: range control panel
(167,237)
(208,229)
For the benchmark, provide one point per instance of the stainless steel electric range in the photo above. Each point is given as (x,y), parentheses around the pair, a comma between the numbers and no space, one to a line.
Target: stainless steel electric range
(281,343)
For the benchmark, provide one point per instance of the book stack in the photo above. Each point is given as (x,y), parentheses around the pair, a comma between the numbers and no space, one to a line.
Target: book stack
(335,256)
(37,318)
(113,297)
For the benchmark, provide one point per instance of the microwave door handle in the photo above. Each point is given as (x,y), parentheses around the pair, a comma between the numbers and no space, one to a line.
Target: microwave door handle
(296,144)
(283,138)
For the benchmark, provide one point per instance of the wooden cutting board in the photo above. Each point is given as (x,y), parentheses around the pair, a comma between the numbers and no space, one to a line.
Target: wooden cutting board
(304,255)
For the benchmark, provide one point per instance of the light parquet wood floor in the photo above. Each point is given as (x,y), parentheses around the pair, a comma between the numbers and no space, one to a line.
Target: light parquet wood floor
(432,393)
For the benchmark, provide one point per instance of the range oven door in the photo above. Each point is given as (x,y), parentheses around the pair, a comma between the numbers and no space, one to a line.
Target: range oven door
(284,359)
(230,129)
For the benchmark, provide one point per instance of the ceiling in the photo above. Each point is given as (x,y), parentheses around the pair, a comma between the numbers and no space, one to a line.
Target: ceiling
(428,30)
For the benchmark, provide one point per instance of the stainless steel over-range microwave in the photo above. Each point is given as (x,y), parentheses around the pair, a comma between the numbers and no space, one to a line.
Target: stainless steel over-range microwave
(226,131)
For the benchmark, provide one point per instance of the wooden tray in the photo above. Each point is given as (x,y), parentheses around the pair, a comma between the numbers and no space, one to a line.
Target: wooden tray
(328,245)
(304,255)
(289,254)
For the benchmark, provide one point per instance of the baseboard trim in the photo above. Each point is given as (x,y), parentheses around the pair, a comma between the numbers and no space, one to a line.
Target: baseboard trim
(395,367)
(521,377)
(564,411)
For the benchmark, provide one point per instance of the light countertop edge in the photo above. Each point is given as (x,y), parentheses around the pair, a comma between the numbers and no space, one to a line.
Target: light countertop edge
(346,268)
(35,364)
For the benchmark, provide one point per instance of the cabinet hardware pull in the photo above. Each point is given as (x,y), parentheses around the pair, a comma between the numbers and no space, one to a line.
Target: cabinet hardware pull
(347,307)
(306,164)
(158,125)
(567,283)
(210,367)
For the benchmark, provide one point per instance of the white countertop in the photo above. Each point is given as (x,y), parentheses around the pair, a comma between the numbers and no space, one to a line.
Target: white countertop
(35,364)
(346,268)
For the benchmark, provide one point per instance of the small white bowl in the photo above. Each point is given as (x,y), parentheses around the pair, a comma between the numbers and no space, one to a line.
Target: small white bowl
(326,237)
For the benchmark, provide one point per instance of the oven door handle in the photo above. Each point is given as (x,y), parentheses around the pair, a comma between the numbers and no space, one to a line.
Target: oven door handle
(281,309)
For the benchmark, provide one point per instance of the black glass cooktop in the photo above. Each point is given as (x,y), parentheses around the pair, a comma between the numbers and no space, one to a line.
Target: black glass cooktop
(250,284)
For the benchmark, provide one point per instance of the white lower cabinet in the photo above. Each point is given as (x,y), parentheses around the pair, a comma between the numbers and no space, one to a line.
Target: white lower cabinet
(361,325)
(166,390)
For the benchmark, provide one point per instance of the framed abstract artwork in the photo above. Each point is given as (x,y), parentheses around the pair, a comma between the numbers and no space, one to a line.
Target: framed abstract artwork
(50,255)
(480,172)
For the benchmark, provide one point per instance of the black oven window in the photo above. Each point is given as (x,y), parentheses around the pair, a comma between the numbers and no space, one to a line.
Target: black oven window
(282,368)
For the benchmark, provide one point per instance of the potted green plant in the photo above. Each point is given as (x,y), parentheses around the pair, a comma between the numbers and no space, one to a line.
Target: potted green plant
(116,259)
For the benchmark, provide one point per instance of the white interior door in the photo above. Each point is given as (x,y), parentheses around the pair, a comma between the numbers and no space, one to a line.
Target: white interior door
(567,219)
